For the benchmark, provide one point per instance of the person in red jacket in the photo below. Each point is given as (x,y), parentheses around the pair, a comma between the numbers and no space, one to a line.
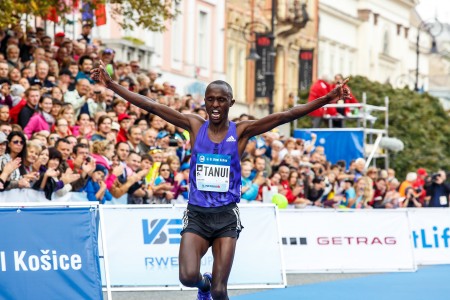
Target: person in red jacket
(125,124)
(338,79)
(319,89)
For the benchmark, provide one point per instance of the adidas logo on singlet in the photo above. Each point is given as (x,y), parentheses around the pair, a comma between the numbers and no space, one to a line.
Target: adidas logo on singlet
(231,139)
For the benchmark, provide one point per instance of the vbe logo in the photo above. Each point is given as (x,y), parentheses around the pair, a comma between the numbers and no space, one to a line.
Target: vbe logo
(161,231)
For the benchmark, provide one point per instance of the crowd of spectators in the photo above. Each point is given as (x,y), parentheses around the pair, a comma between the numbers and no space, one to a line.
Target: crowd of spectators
(61,132)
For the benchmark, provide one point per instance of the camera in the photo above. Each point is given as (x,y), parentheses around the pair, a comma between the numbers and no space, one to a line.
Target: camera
(435,176)
(173,142)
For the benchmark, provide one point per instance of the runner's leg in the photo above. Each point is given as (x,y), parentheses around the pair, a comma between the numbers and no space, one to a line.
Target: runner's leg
(223,252)
(192,249)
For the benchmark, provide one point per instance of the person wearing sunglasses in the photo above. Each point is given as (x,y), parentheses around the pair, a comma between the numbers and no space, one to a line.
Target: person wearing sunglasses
(212,216)
(16,151)
(164,184)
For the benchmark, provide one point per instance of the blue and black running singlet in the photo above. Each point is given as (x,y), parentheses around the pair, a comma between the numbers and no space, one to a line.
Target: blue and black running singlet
(215,174)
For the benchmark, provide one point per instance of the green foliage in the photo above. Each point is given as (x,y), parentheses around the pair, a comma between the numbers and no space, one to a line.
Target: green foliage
(419,120)
(147,14)
(135,41)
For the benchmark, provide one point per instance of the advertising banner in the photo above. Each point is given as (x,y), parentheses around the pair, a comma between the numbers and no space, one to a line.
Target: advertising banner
(49,253)
(143,243)
(346,241)
(431,235)
(340,144)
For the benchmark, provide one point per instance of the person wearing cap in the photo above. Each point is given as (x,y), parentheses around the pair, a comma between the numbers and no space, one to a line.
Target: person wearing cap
(125,124)
(419,184)
(95,187)
(163,139)
(17,93)
(217,146)
(59,38)
(85,35)
(438,190)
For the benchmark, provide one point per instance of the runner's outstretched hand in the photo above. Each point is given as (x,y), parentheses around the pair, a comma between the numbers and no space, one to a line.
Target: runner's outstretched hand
(100,75)
(340,91)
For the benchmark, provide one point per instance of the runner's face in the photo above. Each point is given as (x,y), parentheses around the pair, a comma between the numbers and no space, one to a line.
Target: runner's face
(217,103)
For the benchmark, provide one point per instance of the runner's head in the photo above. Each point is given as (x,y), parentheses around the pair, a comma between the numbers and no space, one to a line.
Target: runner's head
(218,100)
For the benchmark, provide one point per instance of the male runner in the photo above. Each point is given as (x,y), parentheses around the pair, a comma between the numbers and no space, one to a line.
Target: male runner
(212,216)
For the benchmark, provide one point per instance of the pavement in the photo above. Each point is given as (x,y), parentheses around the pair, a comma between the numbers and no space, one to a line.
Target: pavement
(292,280)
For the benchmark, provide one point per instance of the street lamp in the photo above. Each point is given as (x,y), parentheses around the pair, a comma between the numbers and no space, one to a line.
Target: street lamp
(433,29)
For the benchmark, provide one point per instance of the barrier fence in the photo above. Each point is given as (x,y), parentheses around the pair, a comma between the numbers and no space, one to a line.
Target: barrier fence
(52,249)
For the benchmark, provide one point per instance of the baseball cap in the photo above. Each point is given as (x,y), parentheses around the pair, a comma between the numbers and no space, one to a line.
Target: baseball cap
(162,134)
(101,168)
(3,138)
(421,171)
(184,166)
(17,90)
(60,34)
(122,117)
(115,126)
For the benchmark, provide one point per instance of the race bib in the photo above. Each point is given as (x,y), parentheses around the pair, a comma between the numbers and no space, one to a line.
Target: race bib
(213,172)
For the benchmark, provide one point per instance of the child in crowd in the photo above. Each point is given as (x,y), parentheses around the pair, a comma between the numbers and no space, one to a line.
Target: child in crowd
(95,187)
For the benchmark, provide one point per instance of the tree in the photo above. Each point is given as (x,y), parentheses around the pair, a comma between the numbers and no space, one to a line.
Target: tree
(419,120)
(148,14)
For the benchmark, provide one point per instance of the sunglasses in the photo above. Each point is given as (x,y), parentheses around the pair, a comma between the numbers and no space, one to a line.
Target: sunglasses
(163,170)
(17,142)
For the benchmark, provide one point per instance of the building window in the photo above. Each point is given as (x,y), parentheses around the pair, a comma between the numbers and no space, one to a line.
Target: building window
(202,45)
(386,42)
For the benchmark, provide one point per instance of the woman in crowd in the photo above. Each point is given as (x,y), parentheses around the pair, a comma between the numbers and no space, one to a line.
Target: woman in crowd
(83,126)
(364,193)
(164,184)
(16,149)
(4,113)
(14,75)
(41,161)
(33,151)
(51,180)
(174,163)
(42,118)
(103,128)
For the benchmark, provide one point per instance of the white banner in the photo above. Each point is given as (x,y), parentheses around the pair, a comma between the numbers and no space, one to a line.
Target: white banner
(143,243)
(346,241)
(431,235)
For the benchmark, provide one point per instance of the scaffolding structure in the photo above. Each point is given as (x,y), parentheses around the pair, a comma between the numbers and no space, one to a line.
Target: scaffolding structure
(362,114)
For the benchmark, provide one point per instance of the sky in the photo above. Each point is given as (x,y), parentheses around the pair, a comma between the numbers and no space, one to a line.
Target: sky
(428,9)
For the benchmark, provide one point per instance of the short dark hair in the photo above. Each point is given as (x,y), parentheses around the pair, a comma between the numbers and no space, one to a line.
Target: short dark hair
(83,58)
(54,153)
(79,146)
(222,83)
(61,140)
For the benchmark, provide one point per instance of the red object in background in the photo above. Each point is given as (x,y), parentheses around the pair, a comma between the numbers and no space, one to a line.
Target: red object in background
(319,89)
(100,14)
(52,15)
(352,99)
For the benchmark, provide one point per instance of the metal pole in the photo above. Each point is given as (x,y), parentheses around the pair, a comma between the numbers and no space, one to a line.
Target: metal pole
(270,76)
(416,84)
(386,127)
